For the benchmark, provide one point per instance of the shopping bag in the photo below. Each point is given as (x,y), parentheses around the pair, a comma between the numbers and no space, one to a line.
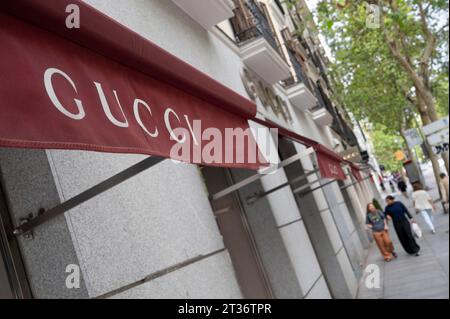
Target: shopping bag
(416,230)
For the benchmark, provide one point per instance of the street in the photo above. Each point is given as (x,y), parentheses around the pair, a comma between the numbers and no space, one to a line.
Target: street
(410,277)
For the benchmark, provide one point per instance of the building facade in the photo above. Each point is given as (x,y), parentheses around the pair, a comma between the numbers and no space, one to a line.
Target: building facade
(169,232)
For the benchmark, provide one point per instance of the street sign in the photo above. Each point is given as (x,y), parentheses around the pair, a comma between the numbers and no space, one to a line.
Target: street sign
(438,138)
(436,126)
(437,135)
(440,148)
(413,137)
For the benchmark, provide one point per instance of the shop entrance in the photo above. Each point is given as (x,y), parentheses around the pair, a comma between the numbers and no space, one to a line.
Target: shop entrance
(314,223)
(237,235)
(13,280)
(356,216)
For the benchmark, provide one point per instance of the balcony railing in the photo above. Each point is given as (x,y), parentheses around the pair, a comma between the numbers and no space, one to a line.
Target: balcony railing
(343,129)
(259,47)
(298,69)
(250,22)
(322,103)
(280,6)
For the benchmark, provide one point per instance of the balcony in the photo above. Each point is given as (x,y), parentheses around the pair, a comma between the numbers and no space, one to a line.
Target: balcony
(343,129)
(298,89)
(207,13)
(322,113)
(321,116)
(299,95)
(259,56)
(259,48)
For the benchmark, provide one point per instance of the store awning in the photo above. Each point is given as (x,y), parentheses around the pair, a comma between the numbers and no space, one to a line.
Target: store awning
(103,87)
(356,171)
(329,163)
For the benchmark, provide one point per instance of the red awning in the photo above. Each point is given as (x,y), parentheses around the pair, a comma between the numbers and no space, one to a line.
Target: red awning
(103,87)
(356,171)
(329,163)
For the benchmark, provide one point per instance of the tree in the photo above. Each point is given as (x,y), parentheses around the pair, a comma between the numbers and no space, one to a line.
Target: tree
(385,145)
(412,34)
(370,70)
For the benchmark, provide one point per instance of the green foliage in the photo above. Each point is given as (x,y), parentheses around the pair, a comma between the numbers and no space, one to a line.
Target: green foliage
(441,92)
(385,145)
(368,81)
(367,78)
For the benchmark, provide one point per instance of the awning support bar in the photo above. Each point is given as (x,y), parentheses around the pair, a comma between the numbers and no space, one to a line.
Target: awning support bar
(88,194)
(354,183)
(257,196)
(258,176)
(298,190)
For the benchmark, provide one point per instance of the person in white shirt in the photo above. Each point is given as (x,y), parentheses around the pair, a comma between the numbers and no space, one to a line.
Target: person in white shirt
(424,205)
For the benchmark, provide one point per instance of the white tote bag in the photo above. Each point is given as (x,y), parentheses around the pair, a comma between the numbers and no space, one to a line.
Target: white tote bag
(416,230)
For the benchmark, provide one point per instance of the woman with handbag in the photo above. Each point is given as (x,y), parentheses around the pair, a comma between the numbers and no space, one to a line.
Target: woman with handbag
(423,204)
(399,214)
(376,221)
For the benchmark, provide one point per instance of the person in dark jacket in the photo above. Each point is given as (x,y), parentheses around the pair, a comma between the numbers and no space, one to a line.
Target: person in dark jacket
(399,215)
(403,187)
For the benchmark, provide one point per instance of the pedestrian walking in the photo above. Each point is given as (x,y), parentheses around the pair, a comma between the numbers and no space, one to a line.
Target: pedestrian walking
(380,180)
(403,187)
(400,216)
(443,186)
(391,184)
(376,221)
(423,204)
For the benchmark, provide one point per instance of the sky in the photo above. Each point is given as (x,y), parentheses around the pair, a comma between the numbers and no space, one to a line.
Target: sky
(312,4)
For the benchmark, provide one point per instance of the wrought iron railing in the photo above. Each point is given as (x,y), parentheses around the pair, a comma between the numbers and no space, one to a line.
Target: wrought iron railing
(341,127)
(321,102)
(300,74)
(280,6)
(250,23)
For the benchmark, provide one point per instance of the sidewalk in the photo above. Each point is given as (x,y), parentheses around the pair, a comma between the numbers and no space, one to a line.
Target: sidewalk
(410,277)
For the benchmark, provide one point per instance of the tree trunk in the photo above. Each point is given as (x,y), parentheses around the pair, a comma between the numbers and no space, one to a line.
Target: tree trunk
(425,121)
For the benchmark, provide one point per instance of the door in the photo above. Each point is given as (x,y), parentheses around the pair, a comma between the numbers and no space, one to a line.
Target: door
(314,221)
(13,279)
(237,236)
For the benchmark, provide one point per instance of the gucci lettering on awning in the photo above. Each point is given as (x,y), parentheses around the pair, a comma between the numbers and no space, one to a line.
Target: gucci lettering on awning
(56,94)
(329,163)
